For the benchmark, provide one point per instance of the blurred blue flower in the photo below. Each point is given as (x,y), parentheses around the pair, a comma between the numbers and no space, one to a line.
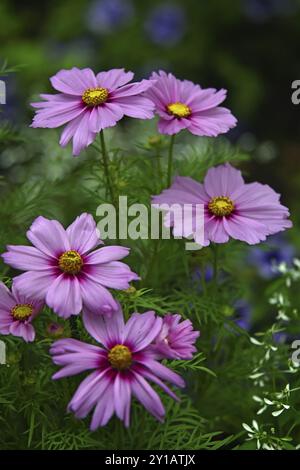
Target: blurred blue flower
(197,275)
(263,10)
(277,250)
(166,24)
(280,338)
(243,314)
(105,16)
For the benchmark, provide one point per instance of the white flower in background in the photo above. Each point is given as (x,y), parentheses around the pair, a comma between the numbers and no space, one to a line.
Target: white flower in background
(265,440)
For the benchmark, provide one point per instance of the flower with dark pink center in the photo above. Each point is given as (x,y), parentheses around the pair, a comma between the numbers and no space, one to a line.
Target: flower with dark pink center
(232,208)
(17,312)
(180,104)
(121,368)
(88,103)
(63,270)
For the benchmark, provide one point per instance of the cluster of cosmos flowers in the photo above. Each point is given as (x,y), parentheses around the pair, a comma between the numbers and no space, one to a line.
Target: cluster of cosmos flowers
(72,273)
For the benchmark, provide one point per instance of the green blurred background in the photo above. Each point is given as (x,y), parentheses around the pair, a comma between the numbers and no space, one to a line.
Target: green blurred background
(249,47)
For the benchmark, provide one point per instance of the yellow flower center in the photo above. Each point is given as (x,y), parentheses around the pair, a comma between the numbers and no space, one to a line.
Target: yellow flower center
(221,206)
(22,312)
(95,96)
(70,262)
(179,110)
(120,357)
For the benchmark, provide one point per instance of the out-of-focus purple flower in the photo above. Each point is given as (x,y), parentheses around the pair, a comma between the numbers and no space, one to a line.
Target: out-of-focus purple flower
(166,24)
(243,312)
(263,10)
(121,367)
(176,339)
(277,250)
(105,16)
(55,330)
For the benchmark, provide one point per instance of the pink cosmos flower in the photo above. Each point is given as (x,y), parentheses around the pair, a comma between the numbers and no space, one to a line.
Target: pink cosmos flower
(184,105)
(122,367)
(17,313)
(232,208)
(88,103)
(62,269)
(176,338)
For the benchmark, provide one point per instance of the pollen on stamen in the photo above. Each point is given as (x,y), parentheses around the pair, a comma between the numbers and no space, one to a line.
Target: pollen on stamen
(22,312)
(70,262)
(120,357)
(221,206)
(95,96)
(179,110)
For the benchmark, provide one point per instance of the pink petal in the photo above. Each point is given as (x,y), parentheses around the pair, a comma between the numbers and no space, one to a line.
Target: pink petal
(223,180)
(69,131)
(64,296)
(248,230)
(173,126)
(164,372)
(87,394)
(106,254)
(104,408)
(35,284)
(23,330)
(5,321)
(215,230)
(147,396)
(141,329)
(212,122)
(7,301)
(74,81)
(83,234)
(105,116)
(49,236)
(57,115)
(136,107)
(114,78)
(114,274)
(206,99)
(132,89)
(27,258)
(96,298)
(122,398)
(83,135)
(106,330)
(76,358)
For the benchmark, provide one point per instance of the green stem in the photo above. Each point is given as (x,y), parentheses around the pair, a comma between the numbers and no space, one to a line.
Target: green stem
(105,160)
(203,280)
(74,327)
(159,172)
(215,264)
(170,161)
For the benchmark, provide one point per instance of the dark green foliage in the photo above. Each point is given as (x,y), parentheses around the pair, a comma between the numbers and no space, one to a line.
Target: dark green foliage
(229,368)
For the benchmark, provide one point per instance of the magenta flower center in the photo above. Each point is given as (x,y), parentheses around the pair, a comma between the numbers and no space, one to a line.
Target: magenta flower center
(95,96)
(70,262)
(221,206)
(179,110)
(120,357)
(22,312)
